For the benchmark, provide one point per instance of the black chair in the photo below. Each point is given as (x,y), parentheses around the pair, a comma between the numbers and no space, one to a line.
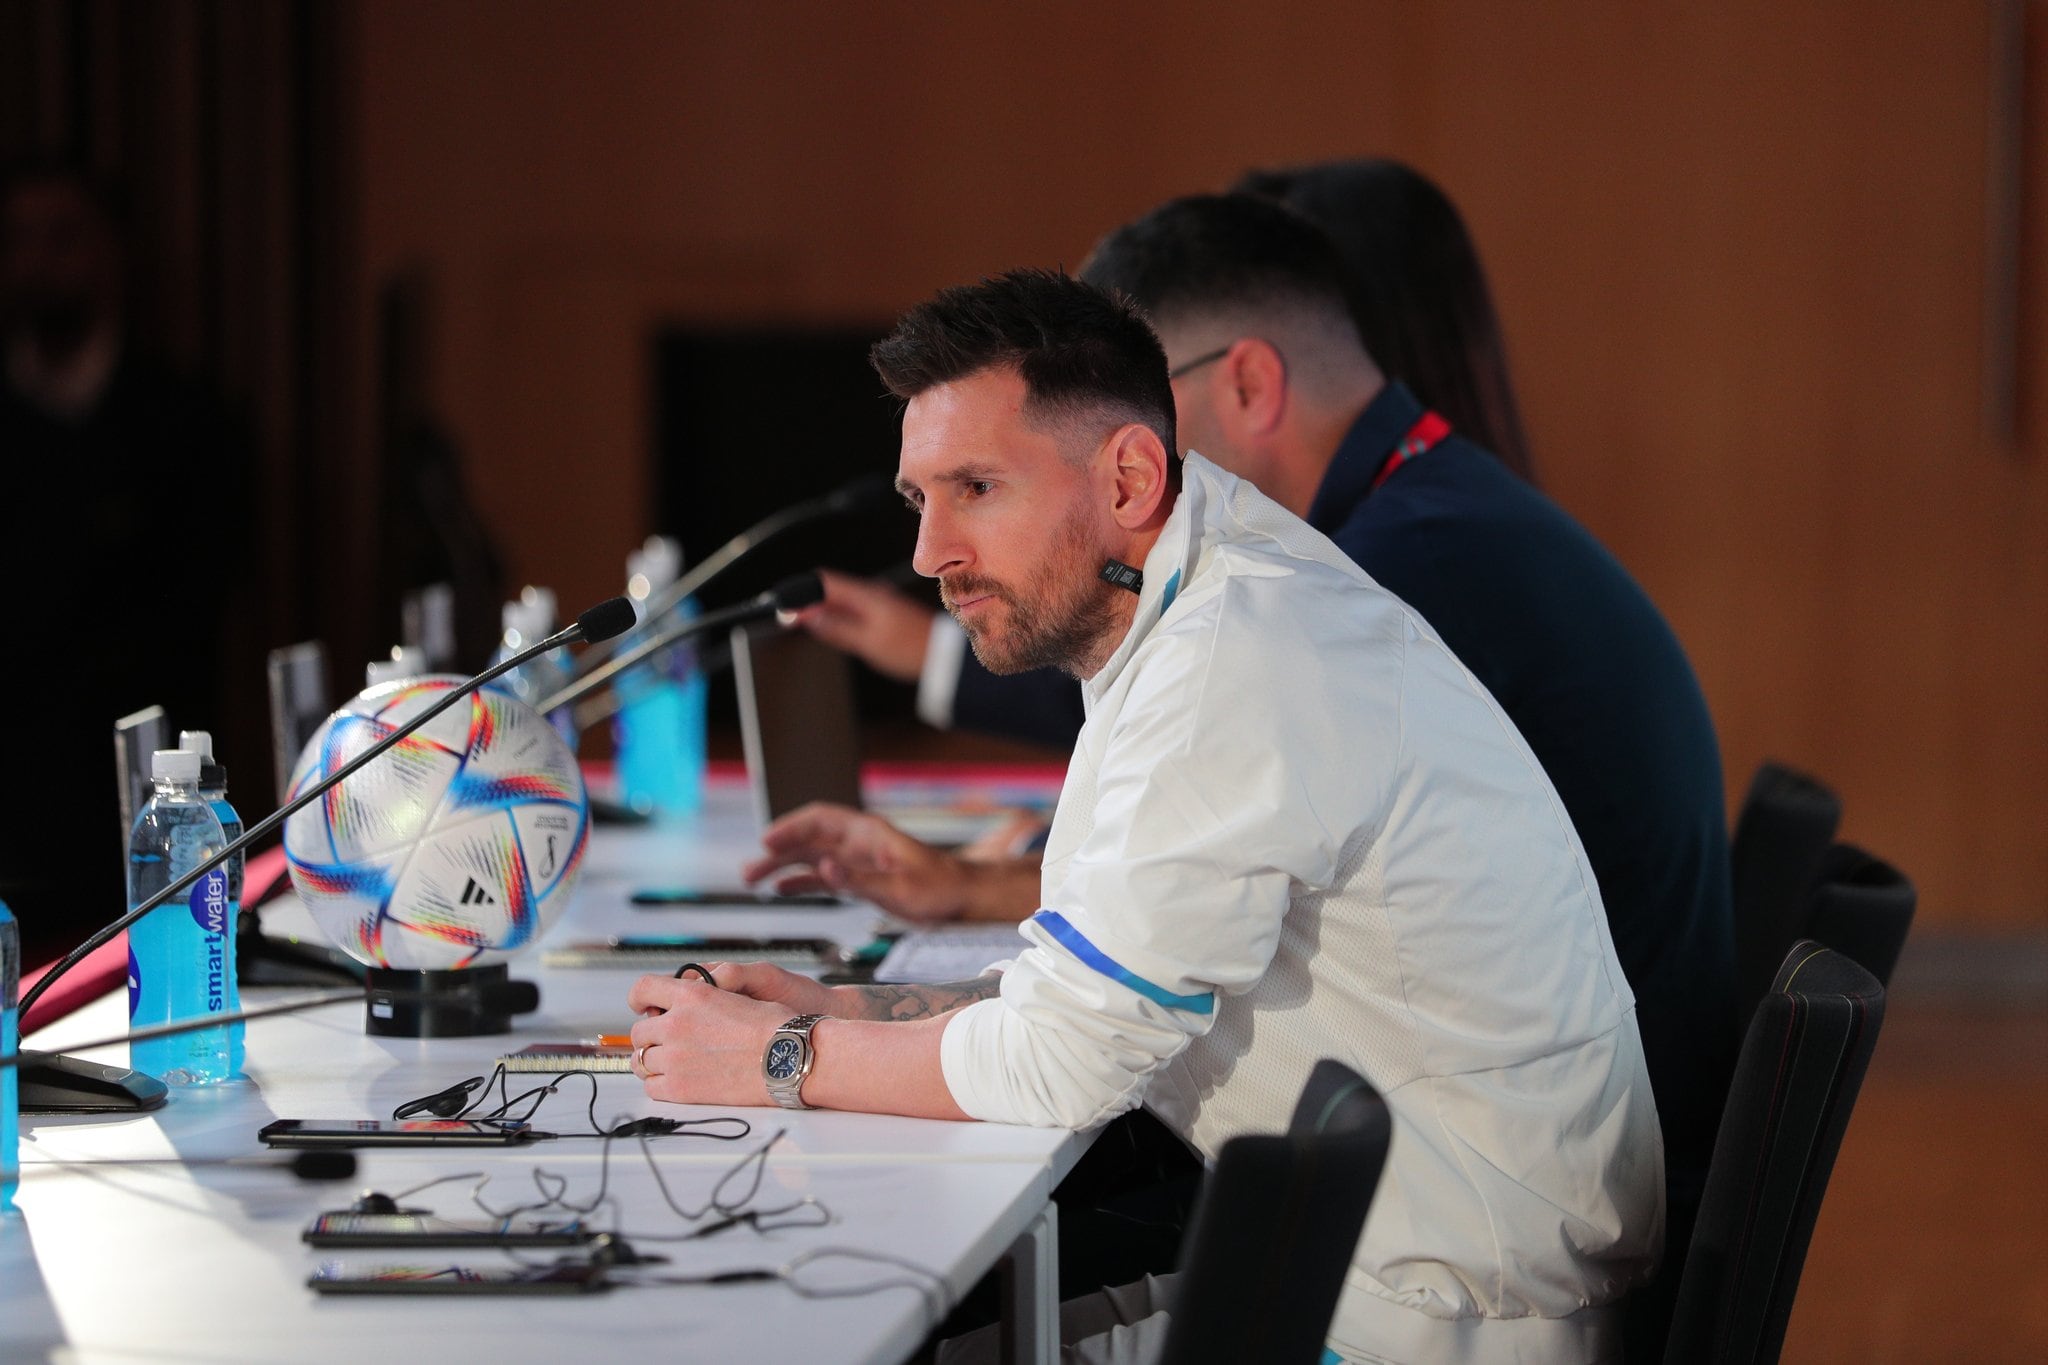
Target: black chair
(1278,1221)
(1784,829)
(1861,907)
(1796,1081)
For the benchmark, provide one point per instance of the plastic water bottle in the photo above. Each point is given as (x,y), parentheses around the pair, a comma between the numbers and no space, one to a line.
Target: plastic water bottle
(528,621)
(213,789)
(10,1039)
(181,955)
(660,726)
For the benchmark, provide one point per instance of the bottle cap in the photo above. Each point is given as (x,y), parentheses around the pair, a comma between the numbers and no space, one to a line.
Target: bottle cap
(175,765)
(653,567)
(199,740)
(526,622)
(541,602)
(406,661)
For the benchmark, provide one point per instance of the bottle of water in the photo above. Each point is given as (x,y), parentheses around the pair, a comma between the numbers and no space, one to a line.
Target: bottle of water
(213,789)
(181,955)
(406,661)
(10,1040)
(528,621)
(660,726)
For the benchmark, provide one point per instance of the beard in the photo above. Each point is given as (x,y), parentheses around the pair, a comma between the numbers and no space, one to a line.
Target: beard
(1058,619)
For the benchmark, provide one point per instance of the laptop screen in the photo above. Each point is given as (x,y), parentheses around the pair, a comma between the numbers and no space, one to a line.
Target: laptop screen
(797,720)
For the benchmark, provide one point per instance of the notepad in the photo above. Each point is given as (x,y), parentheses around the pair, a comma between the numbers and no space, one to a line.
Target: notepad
(955,953)
(568,1057)
(666,953)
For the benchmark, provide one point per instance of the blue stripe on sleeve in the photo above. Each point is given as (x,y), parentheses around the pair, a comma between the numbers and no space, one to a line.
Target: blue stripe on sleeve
(1075,942)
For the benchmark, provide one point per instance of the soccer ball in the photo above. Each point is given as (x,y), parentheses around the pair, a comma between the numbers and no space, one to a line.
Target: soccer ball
(455,848)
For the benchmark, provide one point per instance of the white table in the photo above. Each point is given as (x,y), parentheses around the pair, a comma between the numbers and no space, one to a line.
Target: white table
(193,1261)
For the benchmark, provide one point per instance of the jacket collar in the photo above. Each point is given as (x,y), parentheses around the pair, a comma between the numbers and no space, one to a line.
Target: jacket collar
(1170,563)
(1360,454)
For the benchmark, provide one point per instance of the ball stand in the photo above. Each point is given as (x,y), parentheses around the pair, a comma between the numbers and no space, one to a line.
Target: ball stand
(466,1003)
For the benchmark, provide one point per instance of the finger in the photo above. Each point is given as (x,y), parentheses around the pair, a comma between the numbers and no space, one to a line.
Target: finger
(883,886)
(801,836)
(842,589)
(755,869)
(809,825)
(802,884)
(661,993)
(835,625)
(745,978)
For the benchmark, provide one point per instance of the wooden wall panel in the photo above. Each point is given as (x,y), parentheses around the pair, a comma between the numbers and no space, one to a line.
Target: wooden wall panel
(1739,252)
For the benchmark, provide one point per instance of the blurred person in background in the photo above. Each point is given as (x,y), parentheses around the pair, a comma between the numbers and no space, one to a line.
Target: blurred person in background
(121,542)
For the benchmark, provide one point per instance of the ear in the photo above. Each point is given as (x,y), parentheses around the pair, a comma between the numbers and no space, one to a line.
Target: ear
(1138,466)
(1254,374)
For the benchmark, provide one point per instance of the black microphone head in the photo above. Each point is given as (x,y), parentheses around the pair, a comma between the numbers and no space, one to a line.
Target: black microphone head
(613,616)
(868,493)
(798,591)
(511,997)
(316,1164)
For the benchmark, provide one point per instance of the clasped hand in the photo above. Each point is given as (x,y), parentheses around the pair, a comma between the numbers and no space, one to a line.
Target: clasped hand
(702,1044)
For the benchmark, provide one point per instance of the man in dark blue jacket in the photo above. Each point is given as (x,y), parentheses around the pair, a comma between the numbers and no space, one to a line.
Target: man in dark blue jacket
(1272,382)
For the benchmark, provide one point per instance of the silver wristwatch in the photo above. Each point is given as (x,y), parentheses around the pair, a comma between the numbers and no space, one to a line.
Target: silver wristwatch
(787,1062)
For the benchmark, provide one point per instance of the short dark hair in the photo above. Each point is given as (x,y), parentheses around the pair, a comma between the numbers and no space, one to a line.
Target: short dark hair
(1418,291)
(1220,252)
(1081,350)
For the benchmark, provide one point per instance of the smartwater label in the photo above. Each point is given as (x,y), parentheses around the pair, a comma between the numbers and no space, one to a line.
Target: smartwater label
(209,902)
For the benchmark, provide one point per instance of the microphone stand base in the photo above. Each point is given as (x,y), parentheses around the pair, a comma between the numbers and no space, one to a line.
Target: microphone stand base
(55,1084)
(466,1003)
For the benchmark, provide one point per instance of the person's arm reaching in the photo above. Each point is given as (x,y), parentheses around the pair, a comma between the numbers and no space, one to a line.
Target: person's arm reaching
(853,853)
(873,622)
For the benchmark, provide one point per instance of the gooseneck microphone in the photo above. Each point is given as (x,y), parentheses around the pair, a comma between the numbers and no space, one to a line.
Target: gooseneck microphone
(44,1075)
(26,1059)
(869,492)
(792,594)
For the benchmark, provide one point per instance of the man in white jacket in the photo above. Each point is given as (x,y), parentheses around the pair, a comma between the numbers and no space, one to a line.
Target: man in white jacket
(1294,827)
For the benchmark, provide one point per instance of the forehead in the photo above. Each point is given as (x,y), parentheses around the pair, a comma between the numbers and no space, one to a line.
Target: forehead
(980,417)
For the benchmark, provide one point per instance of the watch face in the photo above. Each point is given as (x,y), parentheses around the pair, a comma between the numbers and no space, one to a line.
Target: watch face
(785,1055)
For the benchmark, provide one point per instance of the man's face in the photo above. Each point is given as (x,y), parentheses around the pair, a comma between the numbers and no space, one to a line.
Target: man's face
(1013,529)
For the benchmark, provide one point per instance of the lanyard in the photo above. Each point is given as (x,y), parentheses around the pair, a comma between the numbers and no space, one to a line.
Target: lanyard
(1427,431)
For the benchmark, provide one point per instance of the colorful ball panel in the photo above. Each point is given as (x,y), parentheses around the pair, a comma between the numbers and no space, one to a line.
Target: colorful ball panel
(457,847)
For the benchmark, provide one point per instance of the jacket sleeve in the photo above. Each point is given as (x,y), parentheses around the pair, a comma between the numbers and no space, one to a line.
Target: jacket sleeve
(1203,829)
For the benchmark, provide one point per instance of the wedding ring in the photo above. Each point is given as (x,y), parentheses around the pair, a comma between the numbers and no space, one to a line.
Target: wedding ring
(640,1056)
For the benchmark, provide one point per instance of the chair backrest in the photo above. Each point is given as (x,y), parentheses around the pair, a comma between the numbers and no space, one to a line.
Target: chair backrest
(1784,829)
(1862,907)
(1275,1229)
(1801,1066)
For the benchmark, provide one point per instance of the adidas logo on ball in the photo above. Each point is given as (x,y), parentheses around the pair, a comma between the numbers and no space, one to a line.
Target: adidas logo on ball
(476,895)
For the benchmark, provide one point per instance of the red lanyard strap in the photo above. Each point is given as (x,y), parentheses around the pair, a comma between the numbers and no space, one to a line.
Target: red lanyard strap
(1427,431)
